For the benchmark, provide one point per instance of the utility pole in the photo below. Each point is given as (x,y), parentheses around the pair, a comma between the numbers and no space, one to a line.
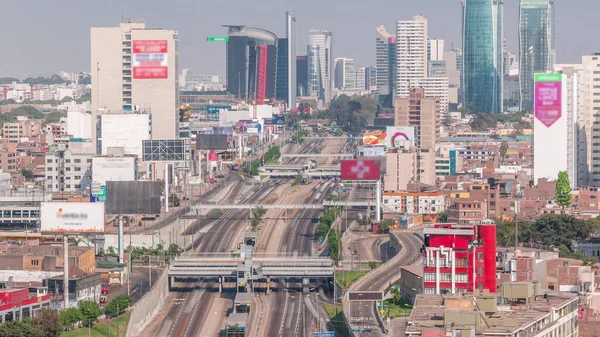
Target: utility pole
(516,226)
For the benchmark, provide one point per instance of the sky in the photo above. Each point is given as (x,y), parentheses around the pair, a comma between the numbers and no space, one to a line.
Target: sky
(41,37)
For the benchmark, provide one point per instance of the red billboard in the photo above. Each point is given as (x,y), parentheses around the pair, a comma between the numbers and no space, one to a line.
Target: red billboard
(548,94)
(360,169)
(150,59)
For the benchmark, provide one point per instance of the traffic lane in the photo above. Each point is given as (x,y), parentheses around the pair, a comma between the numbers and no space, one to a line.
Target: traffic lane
(139,284)
(362,319)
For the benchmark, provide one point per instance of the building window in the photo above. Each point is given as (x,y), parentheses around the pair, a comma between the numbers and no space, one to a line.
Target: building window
(77,177)
(480,271)
(67,161)
(77,161)
(480,285)
(77,169)
(35,262)
(77,186)
(49,169)
(89,161)
(49,161)
(68,186)
(480,256)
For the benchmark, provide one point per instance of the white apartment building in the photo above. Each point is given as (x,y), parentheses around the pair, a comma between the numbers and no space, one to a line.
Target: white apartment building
(320,42)
(435,87)
(414,202)
(79,124)
(589,118)
(134,68)
(76,173)
(412,53)
(124,130)
(382,55)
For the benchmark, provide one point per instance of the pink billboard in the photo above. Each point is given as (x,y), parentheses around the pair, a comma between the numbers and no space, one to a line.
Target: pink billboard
(150,59)
(548,98)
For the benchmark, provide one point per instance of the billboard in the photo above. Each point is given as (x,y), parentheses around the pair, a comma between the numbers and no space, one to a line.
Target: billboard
(112,169)
(275,120)
(371,151)
(72,218)
(133,197)
(547,95)
(150,59)
(376,137)
(394,134)
(251,127)
(211,142)
(164,150)
(124,130)
(360,169)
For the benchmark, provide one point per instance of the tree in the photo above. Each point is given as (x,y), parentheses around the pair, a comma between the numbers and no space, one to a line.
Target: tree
(442,217)
(503,150)
(118,305)
(397,296)
(554,230)
(69,317)
(90,311)
(48,321)
(27,174)
(22,328)
(257,217)
(54,117)
(563,190)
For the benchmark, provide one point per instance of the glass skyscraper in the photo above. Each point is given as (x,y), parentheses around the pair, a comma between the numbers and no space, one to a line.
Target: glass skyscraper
(482,55)
(537,49)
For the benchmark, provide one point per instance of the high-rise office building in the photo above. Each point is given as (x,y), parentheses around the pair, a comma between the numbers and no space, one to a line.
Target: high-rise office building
(537,50)
(435,50)
(412,53)
(302,75)
(320,52)
(382,55)
(371,78)
(482,55)
(423,114)
(290,25)
(251,63)
(589,120)
(134,68)
(282,73)
(393,65)
(345,73)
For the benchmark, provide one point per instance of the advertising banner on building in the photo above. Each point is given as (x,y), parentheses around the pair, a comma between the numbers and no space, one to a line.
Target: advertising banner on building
(72,218)
(396,134)
(548,93)
(150,59)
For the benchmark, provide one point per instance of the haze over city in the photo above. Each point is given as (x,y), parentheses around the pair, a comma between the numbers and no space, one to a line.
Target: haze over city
(54,36)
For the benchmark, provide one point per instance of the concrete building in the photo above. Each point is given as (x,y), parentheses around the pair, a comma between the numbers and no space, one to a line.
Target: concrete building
(483,39)
(113,169)
(553,135)
(77,171)
(124,130)
(459,258)
(429,203)
(290,32)
(453,61)
(589,120)
(423,114)
(519,309)
(468,211)
(406,164)
(320,62)
(345,73)
(382,55)
(79,124)
(370,79)
(16,304)
(435,49)
(82,286)
(412,53)
(47,258)
(537,45)
(435,87)
(411,282)
(133,68)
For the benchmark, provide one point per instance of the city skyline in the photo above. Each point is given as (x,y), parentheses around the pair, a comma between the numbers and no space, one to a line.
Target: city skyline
(354,33)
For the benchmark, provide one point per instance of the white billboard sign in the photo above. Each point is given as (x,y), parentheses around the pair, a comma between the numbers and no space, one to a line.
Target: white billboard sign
(72,218)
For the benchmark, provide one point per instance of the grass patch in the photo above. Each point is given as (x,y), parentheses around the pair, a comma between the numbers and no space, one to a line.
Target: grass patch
(101,329)
(345,279)
(402,309)
(336,319)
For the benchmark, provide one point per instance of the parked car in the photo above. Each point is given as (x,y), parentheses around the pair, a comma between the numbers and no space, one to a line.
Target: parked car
(220,175)
(105,291)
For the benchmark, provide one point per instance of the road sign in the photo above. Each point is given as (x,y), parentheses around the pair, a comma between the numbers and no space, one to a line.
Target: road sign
(381,311)
(324,334)
(217,39)
(382,307)
(365,296)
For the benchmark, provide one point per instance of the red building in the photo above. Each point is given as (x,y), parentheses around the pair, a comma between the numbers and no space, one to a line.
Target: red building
(459,258)
(17,303)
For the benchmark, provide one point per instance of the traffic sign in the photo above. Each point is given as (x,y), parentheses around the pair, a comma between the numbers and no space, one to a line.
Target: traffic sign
(324,334)
(217,39)
(382,311)
(382,307)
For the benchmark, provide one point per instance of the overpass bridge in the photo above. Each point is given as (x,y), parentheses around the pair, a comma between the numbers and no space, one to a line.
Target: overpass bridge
(325,204)
(314,155)
(310,174)
(300,167)
(246,267)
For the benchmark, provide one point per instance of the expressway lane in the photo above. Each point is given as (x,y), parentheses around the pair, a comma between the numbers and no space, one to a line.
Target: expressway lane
(363,315)
(190,318)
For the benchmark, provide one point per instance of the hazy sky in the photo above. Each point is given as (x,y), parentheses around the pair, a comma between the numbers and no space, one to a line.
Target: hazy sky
(41,37)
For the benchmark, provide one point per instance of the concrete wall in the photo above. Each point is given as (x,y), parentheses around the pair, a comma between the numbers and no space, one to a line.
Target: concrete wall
(149,306)
(149,240)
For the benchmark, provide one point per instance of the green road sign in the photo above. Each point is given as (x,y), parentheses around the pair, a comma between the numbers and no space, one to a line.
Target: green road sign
(217,39)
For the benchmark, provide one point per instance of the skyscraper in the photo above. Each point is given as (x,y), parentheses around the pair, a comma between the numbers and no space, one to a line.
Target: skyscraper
(320,50)
(135,68)
(435,50)
(371,78)
(412,53)
(382,54)
(290,29)
(482,55)
(345,76)
(537,51)
(251,62)
(282,74)
(302,75)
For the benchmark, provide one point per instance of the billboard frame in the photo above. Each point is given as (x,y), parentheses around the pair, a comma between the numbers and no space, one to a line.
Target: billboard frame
(167,150)
(44,208)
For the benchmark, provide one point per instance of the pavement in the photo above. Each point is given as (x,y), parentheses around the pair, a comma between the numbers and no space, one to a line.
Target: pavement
(138,284)
(362,315)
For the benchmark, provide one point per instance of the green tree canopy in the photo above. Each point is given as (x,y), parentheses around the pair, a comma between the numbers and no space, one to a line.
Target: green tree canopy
(22,328)
(70,316)
(48,321)
(118,305)
(560,229)
(353,114)
(90,311)
(563,190)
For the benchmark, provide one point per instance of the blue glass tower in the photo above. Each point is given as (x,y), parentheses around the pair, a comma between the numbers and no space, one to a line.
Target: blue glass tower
(537,50)
(482,55)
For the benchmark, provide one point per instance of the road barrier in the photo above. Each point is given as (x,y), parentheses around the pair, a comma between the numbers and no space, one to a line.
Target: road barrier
(148,306)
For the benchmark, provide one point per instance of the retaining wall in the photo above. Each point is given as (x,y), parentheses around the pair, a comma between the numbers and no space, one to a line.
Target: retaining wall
(148,306)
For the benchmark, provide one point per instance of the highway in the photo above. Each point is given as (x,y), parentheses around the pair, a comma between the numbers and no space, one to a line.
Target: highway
(362,315)
(191,303)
